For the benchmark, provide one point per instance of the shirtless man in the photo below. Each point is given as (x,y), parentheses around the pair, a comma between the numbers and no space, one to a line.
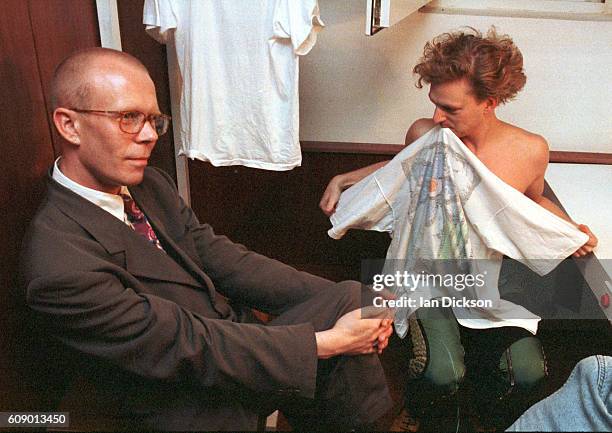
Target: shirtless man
(469,76)
(516,156)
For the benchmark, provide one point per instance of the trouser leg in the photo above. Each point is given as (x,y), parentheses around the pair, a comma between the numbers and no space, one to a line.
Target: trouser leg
(351,390)
(445,369)
(524,364)
(507,368)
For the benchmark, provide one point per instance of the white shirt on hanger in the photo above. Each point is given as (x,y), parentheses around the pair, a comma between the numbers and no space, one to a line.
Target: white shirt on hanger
(235,67)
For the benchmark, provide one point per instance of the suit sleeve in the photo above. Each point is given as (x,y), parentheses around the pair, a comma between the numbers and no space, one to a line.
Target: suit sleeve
(245,276)
(96,314)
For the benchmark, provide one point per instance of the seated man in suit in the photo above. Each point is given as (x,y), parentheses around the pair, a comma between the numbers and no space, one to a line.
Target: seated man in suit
(119,272)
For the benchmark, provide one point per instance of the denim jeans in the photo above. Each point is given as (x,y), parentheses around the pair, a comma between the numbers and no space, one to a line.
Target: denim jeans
(584,403)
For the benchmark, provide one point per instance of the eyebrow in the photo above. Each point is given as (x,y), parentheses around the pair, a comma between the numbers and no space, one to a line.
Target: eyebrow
(443,106)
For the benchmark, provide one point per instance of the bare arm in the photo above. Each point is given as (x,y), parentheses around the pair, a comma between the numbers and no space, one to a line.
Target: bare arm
(339,183)
(536,189)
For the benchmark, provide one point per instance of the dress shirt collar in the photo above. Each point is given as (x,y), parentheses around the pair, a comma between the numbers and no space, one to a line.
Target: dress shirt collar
(112,203)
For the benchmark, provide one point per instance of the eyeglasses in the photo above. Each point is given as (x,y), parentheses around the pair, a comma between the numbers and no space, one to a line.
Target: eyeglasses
(132,122)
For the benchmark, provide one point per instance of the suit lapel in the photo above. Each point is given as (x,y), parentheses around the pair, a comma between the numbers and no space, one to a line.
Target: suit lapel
(173,239)
(177,247)
(141,258)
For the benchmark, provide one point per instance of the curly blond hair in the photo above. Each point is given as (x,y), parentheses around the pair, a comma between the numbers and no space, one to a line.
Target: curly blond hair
(493,65)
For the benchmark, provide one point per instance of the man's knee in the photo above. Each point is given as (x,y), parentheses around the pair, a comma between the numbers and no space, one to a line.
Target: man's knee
(349,296)
(526,364)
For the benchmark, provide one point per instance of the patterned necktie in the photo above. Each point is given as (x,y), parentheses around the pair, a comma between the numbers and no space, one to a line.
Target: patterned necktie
(138,221)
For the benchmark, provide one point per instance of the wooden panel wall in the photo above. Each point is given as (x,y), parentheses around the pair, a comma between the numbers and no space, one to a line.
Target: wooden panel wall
(78,22)
(277,213)
(392,149)
(34,36)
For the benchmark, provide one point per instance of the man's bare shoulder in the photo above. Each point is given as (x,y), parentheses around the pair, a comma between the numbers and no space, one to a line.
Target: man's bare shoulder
(417,129)
(527,155)
(532,146)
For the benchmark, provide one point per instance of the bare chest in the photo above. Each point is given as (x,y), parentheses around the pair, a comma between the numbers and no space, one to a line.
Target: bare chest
(512,168)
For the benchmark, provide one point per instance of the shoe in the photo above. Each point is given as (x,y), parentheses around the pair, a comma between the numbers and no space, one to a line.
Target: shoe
(405,421)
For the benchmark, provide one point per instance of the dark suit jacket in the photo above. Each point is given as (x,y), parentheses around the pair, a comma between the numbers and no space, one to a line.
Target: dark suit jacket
(154,336)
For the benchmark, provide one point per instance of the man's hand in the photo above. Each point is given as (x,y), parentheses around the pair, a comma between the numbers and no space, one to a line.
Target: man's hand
(383,338)
(354,335)
(331,196)
(589,245)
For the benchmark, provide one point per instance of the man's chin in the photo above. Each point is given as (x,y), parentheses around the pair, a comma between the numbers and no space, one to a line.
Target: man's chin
(135,177)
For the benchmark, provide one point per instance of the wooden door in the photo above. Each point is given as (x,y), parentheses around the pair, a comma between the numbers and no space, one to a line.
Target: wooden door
(34,36)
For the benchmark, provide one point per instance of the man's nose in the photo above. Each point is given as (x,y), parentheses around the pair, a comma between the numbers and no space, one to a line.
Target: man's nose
(147,133)
(439,116)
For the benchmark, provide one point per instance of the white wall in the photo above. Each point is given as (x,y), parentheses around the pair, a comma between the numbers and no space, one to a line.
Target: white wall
(355,88)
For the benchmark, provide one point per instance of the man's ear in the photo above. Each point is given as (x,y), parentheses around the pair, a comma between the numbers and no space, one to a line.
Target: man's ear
(66,124)
(491,104)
